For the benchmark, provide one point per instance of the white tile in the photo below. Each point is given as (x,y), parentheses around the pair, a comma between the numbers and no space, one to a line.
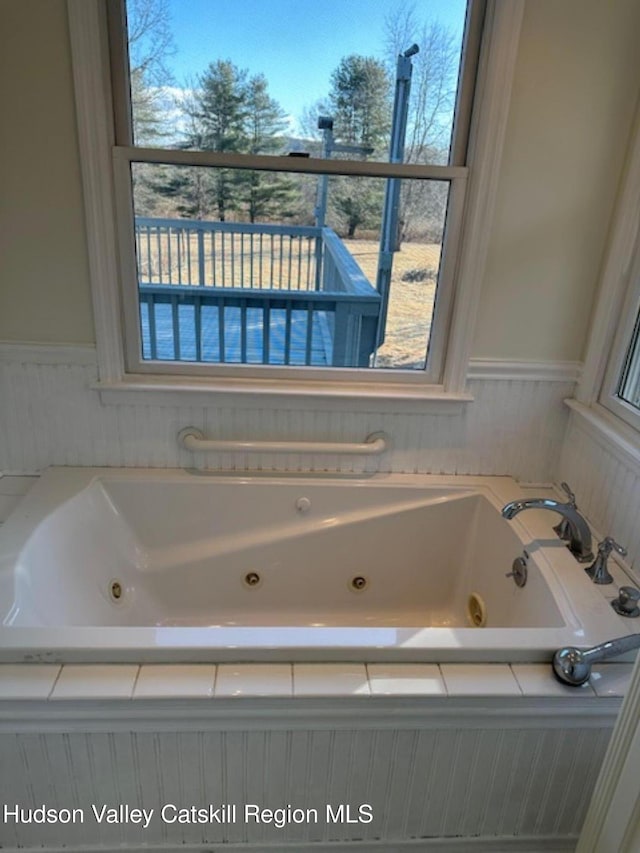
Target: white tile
(537,679)
(330,679)
(610,679)
(248,679)
(175,681)
(479,679)
(95,681)
(405,679)
(27,680)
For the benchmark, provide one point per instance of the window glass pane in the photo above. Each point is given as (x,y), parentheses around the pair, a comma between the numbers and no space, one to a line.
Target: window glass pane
(248,267)
(629,389)
(280,76)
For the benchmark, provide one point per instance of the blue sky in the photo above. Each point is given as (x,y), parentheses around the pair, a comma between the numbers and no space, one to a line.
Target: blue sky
(296,44)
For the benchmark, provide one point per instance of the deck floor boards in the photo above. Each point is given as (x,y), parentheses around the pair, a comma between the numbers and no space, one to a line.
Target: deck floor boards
(210,337)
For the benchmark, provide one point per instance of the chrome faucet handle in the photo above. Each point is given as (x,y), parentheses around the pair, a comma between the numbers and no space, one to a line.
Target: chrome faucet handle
(626,604)
(598,571)
(562,528)
(608,545)
(566,488)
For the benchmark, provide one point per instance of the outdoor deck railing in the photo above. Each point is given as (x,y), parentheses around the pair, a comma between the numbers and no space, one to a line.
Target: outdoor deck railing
(227,254)
(247,293)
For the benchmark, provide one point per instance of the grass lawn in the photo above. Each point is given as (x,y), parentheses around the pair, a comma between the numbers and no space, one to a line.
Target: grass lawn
(410,302)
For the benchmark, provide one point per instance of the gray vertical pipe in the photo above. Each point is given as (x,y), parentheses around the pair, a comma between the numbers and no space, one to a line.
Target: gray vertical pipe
(389,228)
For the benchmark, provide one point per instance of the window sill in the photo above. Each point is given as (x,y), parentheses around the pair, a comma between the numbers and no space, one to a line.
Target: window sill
(249,393)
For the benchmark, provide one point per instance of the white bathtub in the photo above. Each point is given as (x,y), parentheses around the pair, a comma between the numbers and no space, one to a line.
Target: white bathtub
(131,565)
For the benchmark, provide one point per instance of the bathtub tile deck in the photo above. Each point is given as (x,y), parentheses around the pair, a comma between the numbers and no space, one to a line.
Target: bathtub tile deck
(268,679)
(175,681)
(27,681)
(405,679)
(536,679)
(330,679)
(96,681)
(480,679)
(205,681)
(611,679)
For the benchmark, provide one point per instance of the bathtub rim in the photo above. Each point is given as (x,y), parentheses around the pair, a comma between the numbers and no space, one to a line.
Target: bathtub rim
(586,614)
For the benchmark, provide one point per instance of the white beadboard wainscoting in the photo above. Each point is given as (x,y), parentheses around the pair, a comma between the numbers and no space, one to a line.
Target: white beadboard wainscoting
(602,465)
(52,415)
(490,774)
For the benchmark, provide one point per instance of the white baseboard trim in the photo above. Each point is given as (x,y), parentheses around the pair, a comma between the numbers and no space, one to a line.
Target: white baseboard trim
(479,368)
(33,353)
(528,844)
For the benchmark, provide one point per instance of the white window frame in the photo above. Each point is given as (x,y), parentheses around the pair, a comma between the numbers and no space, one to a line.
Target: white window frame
(609,396)
(109,233)
(616,311)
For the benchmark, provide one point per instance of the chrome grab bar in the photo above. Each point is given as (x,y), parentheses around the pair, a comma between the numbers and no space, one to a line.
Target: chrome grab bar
(193,439)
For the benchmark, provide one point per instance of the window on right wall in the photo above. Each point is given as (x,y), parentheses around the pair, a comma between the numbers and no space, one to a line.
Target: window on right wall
(621,387)
(608,394)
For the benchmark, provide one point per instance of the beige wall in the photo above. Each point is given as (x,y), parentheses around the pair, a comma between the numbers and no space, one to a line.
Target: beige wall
(577,79)
(44,285)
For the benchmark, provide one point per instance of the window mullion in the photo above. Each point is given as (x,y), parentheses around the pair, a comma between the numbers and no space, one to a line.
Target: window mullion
(303,165)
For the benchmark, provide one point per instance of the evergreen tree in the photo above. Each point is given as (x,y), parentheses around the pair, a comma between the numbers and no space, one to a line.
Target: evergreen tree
(265,121)
(230,112)
(266,194)
(217,114)
(189,189)
(360,101)
(361,109)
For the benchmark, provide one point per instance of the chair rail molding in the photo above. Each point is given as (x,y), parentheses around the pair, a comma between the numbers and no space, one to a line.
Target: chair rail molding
(513,369)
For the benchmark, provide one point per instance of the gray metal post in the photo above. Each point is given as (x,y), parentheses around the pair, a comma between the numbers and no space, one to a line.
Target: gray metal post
(325,124)
(388,233)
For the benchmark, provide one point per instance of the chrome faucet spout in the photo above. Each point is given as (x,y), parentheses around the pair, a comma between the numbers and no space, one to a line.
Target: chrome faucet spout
(573,666)
(580,535)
